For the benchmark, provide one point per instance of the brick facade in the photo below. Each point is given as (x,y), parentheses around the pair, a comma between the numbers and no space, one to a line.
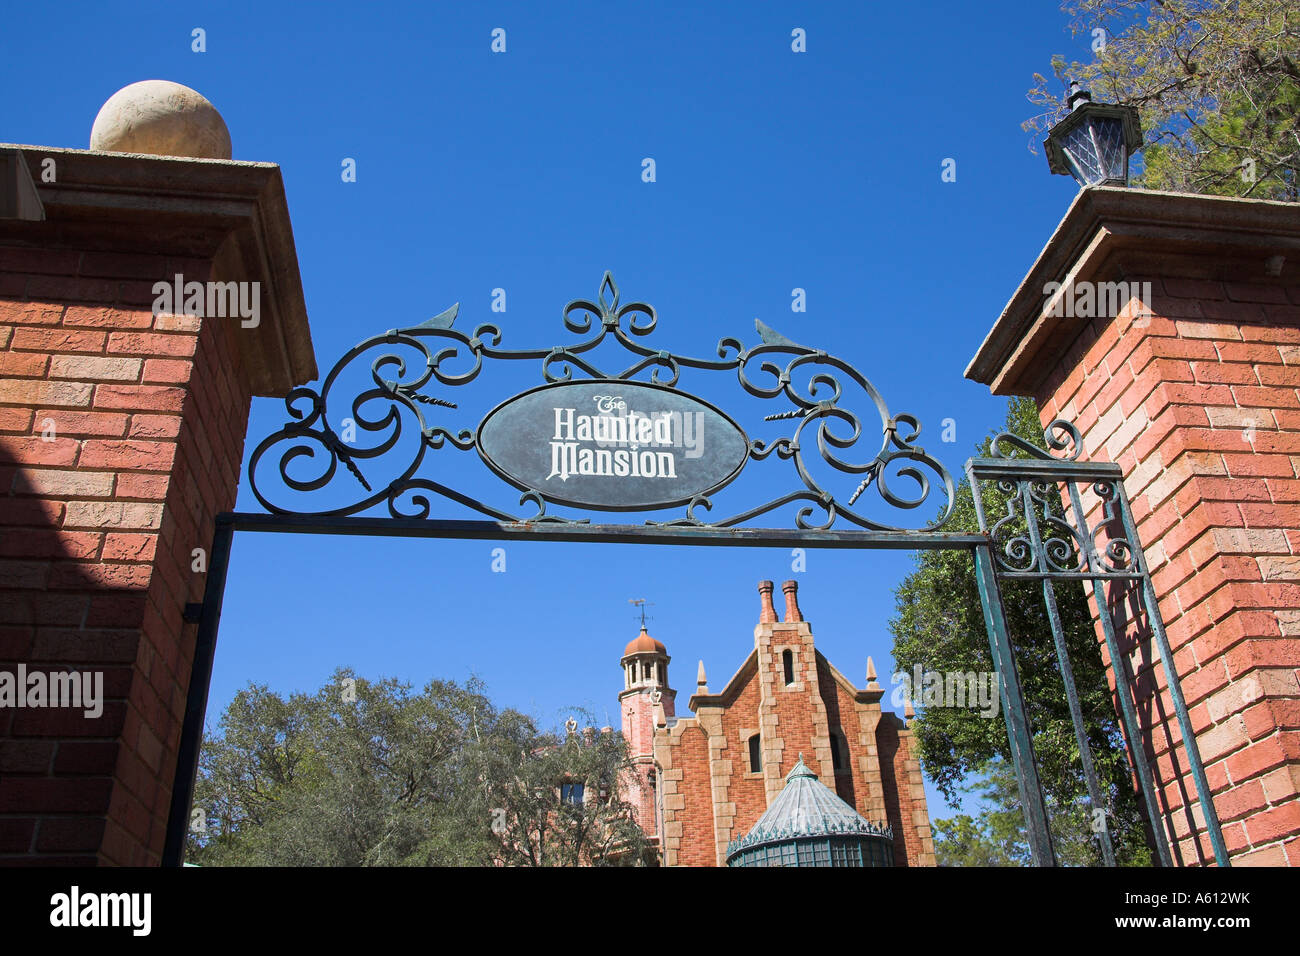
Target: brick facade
(121,436)
(1196,395)
(709,795)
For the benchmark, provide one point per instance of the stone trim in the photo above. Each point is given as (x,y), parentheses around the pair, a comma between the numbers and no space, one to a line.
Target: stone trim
(233,213)
(727,696)
(1115,231)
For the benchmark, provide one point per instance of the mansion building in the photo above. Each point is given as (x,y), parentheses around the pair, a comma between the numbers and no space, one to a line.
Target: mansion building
(708,789)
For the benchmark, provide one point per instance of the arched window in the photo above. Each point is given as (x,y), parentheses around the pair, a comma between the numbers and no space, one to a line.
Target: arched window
(663,678)
(787,659)
(755,754)
(837,752)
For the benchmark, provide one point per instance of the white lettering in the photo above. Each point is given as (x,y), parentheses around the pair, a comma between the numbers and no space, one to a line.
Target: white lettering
(630,441)
(564,423)
(79,690)
(130,910)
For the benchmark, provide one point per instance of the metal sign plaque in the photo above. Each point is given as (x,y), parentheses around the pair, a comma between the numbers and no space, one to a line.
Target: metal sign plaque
(612,445)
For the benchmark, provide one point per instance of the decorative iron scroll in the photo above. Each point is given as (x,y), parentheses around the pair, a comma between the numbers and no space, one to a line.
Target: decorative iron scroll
(312,436)
(1058,436)
(1044,530)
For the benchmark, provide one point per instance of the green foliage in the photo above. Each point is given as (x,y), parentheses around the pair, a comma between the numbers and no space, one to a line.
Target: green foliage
(366,773)
(997,837)
(939,625)
(994,838)
(1216,83)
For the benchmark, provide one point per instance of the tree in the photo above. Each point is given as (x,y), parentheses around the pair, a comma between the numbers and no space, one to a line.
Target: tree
(553,799)
(368,773)
(996,837)
(939,626)
(1216,83)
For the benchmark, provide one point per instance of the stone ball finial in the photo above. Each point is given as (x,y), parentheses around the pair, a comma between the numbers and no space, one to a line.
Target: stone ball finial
(160,118)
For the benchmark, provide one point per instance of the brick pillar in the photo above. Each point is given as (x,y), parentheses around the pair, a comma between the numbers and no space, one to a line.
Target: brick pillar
(1190,381)
(121,436)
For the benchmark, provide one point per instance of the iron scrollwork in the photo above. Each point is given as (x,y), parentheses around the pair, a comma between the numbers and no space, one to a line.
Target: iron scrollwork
(1060,435)
(1044,529)
(452,358)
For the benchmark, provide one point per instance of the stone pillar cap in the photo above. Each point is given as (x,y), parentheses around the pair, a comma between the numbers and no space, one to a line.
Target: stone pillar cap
(1110,233)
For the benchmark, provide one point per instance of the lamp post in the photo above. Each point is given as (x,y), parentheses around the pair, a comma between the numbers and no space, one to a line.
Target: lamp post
(1094,142)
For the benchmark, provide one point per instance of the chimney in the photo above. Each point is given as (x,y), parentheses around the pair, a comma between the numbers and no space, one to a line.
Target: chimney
(791,589)
(767,613)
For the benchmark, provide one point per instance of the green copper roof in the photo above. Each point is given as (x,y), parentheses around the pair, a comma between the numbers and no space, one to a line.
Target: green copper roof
(806,808)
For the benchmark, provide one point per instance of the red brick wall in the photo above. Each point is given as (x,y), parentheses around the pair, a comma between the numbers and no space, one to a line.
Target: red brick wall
(96,537)
(899,806)
(697,846)
(794,705)
(748,793)
(843,719)
(1200,406)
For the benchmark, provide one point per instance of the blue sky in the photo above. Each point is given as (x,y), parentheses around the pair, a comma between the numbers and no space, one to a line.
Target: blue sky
(522,170)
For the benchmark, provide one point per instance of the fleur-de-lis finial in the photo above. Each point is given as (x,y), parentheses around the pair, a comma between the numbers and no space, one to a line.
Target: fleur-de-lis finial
(608,287)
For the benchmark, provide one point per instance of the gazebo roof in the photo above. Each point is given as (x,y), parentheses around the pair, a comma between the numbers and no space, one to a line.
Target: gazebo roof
(806,808)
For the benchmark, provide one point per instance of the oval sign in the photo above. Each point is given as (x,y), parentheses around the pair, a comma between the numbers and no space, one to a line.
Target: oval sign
(612,445)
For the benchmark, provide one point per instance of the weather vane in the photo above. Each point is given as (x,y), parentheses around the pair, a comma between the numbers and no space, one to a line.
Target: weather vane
(641,604)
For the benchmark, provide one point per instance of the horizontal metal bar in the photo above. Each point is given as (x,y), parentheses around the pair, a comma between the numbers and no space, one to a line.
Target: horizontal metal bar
(1036,467)
(1073,575)
(609,533)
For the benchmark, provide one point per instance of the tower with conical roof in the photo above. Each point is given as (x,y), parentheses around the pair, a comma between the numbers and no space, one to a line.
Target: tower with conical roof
(646,702)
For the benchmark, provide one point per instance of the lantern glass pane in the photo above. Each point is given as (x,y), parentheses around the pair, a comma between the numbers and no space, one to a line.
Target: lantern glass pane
(1109,136)
(1097,150)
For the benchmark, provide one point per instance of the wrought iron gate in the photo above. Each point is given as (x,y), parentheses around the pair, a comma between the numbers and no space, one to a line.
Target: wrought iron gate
(1056,545)
(1046,536)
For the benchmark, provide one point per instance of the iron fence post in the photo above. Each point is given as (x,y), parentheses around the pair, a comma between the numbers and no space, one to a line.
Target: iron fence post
(1013,705)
